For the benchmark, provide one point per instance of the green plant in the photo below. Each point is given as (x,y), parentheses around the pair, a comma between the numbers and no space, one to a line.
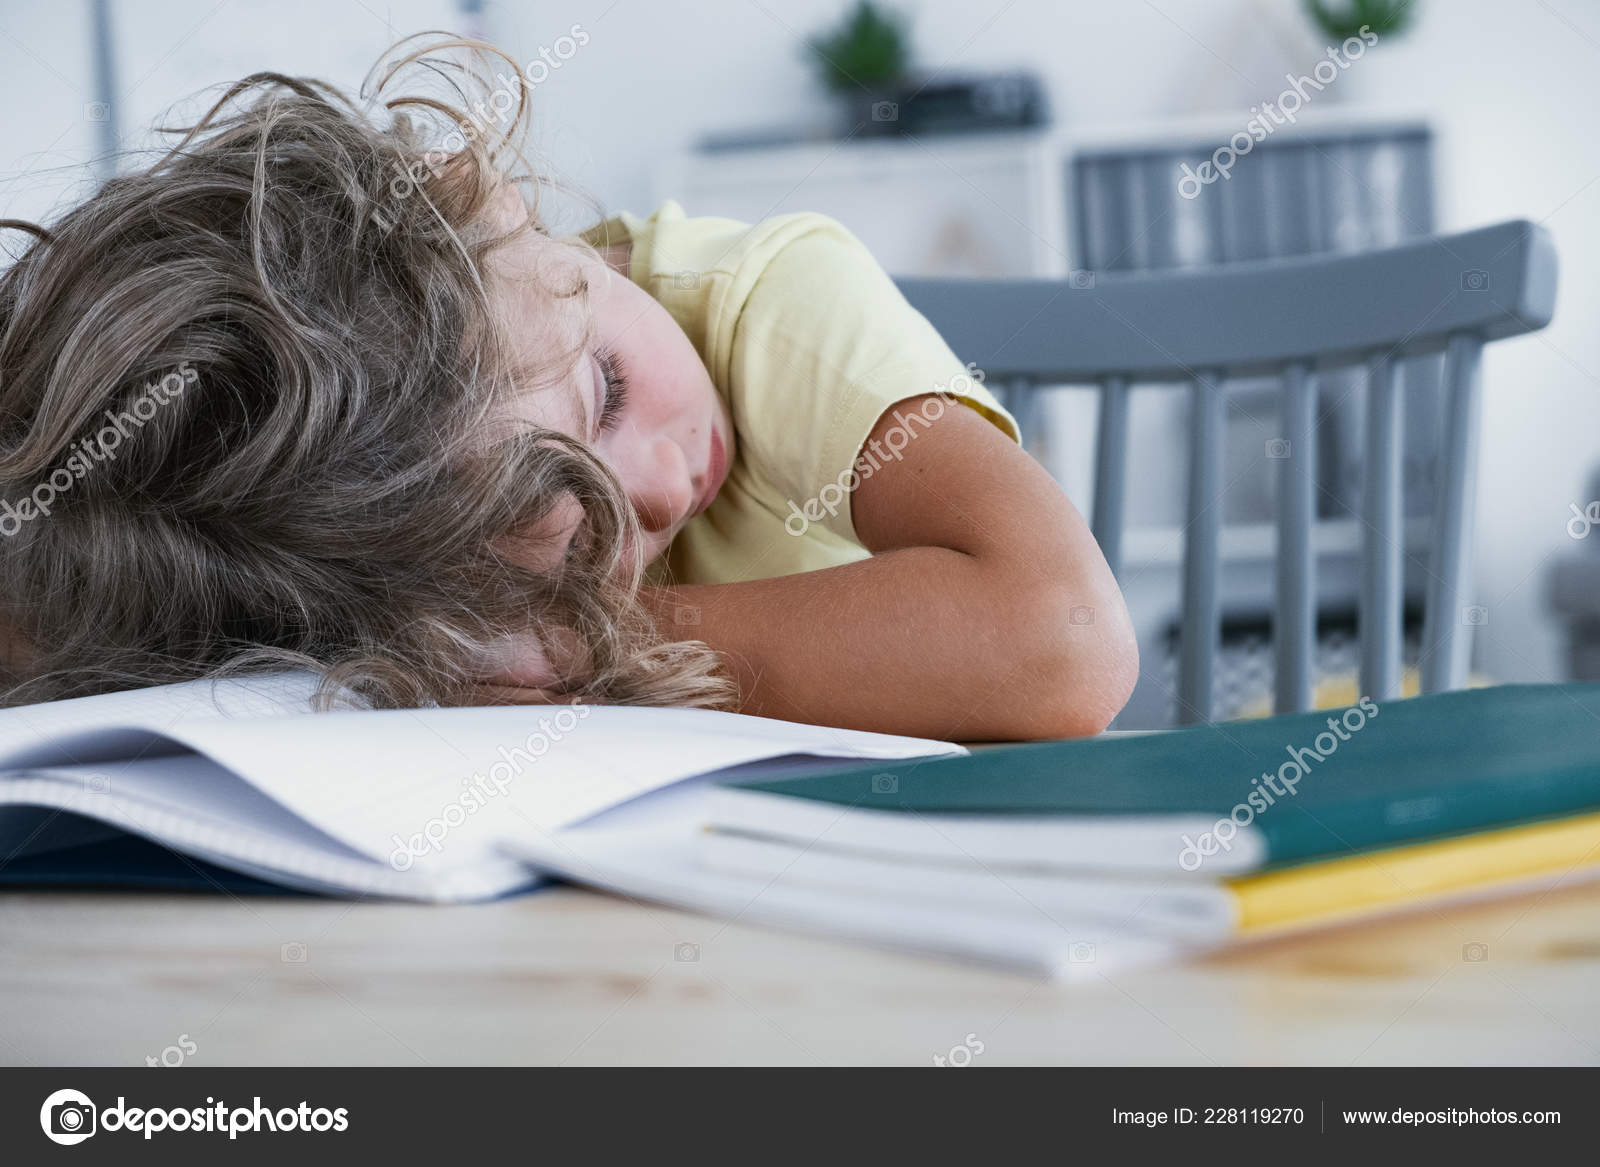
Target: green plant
(869,47)
(1383,17)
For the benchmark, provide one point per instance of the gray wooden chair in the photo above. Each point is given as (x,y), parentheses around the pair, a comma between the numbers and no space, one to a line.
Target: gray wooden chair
(1292,319)
(1349,181)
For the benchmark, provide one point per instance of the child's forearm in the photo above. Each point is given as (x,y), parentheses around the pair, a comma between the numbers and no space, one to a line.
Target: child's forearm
(927,641)
(985,612)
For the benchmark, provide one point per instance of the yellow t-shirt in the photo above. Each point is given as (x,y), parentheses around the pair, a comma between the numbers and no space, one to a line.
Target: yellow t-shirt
(810,343)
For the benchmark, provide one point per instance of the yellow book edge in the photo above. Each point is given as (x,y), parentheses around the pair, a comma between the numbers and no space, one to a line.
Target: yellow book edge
(1398,877)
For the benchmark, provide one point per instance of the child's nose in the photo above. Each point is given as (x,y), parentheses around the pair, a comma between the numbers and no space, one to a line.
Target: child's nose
(663,491)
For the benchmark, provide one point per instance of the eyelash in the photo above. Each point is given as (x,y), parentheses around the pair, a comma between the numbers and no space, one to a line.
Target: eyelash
(616,398)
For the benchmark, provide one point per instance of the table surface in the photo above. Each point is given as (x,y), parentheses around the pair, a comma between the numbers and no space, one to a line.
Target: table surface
(569,977)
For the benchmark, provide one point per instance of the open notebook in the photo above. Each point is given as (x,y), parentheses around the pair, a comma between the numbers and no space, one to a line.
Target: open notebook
(239,778)
(414,804)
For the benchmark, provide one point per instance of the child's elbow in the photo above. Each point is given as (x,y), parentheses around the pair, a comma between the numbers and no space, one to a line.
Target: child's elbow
(1085,668)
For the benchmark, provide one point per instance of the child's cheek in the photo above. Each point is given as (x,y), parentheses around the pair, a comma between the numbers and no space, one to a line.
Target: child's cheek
(638,554)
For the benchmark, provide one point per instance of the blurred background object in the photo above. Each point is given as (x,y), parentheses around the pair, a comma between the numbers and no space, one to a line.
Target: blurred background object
(1029,138)
(863,64)
(1339,21)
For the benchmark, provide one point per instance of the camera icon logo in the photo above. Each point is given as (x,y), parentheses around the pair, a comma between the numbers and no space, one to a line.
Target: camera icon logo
(685,615)
(1278,448)
(1082,952)
(1474,614)
(1474,280)
(1081,281)
(885,111)
(1476,952)
(97,111)
(67,1117)
(1080,615)
(293,952)
(686,279)
(885,784)
(686,953)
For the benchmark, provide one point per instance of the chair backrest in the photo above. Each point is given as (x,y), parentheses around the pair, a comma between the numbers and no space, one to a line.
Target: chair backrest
(1346,183)
(1336,180)
(1291,319)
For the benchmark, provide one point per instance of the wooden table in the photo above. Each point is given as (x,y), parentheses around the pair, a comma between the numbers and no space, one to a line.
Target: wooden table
(573,978)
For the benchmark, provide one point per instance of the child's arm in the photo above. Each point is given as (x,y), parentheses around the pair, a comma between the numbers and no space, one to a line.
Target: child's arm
(986,611)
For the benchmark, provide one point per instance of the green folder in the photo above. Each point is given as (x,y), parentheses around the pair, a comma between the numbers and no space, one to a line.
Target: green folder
(1373,775)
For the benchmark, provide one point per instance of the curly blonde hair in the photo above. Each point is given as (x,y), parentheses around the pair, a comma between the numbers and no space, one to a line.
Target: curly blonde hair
(286,322)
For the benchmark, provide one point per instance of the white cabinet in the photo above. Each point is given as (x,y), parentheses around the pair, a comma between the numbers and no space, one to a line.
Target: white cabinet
(951,205)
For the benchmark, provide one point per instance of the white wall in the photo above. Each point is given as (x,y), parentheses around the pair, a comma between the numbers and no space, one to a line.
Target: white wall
(1514,90)
(167,52)
(655,76)
(45,87)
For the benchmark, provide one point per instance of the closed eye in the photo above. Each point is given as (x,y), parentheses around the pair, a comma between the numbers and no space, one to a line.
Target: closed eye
(616,387)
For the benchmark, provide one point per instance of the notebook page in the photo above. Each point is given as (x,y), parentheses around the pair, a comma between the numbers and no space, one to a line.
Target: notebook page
(269,842)
(439,788)
(648,849)
(189,786)
(101,724)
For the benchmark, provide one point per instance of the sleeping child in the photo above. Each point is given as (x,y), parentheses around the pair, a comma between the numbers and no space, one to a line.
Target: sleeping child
(313,391)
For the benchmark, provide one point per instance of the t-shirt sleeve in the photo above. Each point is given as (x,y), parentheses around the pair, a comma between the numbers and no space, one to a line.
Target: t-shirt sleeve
(824,345)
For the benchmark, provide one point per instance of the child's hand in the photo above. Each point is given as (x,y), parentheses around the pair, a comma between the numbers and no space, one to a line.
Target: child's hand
(534,669)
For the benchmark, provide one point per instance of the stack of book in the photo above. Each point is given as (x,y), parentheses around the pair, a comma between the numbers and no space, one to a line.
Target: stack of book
(1206,836)
(1070,858)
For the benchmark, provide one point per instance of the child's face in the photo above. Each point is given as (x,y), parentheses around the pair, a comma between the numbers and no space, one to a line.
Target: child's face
(640,395)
